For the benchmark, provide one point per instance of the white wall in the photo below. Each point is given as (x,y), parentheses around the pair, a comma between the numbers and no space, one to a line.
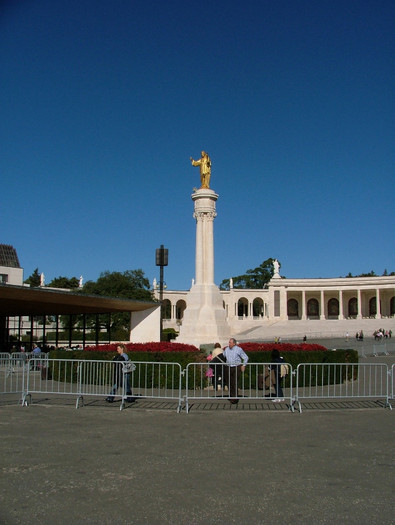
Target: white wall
(15,275)
(145,325)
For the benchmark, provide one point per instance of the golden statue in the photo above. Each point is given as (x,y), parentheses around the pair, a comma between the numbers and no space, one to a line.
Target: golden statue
(205,169)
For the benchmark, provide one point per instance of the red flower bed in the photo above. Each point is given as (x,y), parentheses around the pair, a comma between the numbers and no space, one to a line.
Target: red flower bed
(281,347)
(159,347)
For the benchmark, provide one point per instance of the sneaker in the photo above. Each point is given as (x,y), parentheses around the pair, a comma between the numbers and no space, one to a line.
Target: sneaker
(110,399)
(130,399)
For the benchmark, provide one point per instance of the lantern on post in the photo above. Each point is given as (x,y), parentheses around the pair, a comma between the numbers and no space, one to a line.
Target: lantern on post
(162,258)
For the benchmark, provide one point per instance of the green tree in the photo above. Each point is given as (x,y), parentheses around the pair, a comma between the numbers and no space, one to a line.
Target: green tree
(34,279)
(64,282)
(370,274)
(253,278)
(131,284)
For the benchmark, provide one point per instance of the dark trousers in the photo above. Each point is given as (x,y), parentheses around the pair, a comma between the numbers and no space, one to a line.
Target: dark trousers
(279,387)
(218,375)
(232,380)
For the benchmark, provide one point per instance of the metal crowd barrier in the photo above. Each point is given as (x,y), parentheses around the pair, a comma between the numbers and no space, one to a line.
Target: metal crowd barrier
(72,377)
(383,348)
(58,377)
(255,383)
(98,378)
(167,381)
(155,380)
(19,358)
(12,375)
(141,380)
(37,361)
(341,381)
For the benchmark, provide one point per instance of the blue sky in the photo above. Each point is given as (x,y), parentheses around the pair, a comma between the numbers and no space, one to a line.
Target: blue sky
(103,102)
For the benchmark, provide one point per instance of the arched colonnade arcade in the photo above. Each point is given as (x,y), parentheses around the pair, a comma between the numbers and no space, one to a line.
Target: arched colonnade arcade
(298,299)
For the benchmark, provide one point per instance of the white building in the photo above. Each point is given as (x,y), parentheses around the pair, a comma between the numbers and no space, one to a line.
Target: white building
(10,269)
(24,311)
(291,303)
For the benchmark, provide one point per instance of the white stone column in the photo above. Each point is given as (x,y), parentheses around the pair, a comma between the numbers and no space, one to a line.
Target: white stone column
(204,213)
(359,304)
(322,305)
(303,305)
(210,243)
(199,255)
(378,309)
(204,317)
(283,303)
(341,314)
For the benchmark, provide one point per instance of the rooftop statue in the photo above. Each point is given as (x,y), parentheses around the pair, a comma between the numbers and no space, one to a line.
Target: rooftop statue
(205,169)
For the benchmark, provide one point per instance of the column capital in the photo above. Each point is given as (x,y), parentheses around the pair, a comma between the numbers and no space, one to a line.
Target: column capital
(204,215)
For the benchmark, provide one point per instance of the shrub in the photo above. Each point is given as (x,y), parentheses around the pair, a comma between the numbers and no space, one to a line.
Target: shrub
(157,352)
(157,347)
(161,352)
(281,347)
(168,334)
(294,354)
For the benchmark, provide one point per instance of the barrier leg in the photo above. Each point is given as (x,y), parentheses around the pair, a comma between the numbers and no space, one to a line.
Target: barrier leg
(299,406)
(25,401)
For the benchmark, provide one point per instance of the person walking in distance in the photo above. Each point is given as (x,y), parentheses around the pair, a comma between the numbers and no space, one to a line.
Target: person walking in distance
(121,357)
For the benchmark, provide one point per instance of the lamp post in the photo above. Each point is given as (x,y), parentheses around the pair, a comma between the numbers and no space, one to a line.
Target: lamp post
(162,257)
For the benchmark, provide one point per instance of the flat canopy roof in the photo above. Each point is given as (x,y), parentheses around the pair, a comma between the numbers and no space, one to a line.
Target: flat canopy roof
(22,300)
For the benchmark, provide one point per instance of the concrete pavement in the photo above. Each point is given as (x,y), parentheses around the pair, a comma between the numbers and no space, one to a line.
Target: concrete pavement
(97,465)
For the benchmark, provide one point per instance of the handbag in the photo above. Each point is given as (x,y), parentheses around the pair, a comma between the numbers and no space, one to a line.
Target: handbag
(128,367)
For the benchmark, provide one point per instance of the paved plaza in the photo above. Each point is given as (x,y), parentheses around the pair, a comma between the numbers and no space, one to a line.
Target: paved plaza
(150,465)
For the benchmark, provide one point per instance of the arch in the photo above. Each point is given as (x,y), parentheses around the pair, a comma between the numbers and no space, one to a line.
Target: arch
(257,307)
(333,307)
(353,307)
(293,308)
(180,308)
(166,309)
(313,308)
(242,307)
(372,306)
(392,306)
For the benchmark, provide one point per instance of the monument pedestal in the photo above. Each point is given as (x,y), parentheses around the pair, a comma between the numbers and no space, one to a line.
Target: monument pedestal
(204,319)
